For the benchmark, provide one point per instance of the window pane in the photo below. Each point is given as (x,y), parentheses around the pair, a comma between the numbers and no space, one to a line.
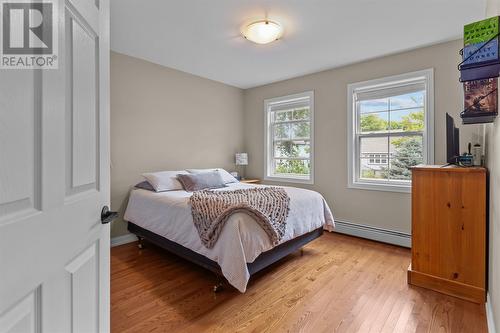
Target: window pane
(292,167)
(301,130)
(406,151)
(283,115)
(372,169)
(289,148)
(300,114)
(373,105)
(409,120)
(373,152)
(374,122)
(282,131)
(292,149)
(412,100)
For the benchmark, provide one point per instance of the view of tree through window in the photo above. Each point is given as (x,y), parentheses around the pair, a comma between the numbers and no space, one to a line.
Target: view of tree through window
(390,136)
(291,140)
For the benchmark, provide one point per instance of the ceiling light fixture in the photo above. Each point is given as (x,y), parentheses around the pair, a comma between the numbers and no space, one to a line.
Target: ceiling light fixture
(263,31)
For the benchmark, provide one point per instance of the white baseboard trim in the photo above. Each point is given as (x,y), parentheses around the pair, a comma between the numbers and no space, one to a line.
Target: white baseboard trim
(489,315)
(373,233)
(120,240)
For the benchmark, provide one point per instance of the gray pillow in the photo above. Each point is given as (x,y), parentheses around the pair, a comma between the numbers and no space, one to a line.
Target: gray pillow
(145,185)
(201,181)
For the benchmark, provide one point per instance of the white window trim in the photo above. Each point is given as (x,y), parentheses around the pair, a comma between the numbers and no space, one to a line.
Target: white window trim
(352,146)
(269,150)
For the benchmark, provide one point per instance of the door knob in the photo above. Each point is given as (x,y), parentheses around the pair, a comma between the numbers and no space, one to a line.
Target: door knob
(107,215)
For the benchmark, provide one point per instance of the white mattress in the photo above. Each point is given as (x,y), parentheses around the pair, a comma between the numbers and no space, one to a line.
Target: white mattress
(168,214)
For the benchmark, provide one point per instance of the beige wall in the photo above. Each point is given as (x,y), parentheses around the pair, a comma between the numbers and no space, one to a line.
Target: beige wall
(386,210)
(164,119)
(493,164)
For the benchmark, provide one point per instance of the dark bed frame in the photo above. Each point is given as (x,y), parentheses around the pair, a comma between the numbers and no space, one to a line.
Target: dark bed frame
(264,260)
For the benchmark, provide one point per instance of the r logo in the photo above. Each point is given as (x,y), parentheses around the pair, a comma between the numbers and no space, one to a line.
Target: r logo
(27,28)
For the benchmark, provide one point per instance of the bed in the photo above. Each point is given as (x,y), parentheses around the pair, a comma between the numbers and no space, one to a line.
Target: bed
(243,248)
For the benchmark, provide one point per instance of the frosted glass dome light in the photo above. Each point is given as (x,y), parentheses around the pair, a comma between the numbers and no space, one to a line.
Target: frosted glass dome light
(263,32)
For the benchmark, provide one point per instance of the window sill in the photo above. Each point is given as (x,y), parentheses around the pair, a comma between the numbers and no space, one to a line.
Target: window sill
(289,180)
(380,187)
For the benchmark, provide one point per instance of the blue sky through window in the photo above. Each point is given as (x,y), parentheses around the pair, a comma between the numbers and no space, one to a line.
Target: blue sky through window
(411,101)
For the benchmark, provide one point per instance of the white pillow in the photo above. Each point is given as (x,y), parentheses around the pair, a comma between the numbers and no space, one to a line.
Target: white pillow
(226,176)
(164,180)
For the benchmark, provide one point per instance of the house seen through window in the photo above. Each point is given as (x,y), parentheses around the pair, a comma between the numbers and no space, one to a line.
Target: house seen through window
(390,134)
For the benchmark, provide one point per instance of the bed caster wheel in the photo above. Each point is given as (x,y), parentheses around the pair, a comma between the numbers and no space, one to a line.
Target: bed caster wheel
(218,288)
(140,246)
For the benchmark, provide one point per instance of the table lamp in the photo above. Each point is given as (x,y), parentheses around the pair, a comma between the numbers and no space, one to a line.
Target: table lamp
(242,159)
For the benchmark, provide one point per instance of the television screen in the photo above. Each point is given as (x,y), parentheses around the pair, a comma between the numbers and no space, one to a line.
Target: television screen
(452,141)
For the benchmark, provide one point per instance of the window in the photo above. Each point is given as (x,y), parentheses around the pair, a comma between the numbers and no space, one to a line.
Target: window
(289,138)
(390,124)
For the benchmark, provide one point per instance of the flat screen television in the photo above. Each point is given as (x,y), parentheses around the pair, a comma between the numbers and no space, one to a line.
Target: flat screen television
(452,141)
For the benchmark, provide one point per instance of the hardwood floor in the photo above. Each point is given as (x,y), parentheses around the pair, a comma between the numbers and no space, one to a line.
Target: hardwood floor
(341,284)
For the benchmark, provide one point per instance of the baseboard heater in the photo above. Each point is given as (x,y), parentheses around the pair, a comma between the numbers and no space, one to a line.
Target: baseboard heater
(373,233)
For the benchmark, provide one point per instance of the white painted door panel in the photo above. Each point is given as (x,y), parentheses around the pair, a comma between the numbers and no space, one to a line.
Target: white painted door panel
(20,178)
(84,278)
(84,109)
(54,180)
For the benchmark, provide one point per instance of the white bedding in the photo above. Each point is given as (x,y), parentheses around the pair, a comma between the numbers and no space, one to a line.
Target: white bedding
(241,241)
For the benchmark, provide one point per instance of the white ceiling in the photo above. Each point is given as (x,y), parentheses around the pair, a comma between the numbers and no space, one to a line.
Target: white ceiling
(202,36)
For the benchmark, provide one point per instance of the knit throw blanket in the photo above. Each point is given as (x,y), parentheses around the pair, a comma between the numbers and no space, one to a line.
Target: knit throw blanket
(268,206)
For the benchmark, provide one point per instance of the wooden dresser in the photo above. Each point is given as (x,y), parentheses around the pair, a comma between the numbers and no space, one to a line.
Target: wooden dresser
(449,206)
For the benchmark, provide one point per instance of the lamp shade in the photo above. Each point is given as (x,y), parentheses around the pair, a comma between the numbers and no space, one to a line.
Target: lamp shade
(241,158)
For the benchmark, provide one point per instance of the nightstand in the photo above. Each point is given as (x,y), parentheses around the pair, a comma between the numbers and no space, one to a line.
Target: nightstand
(250,181)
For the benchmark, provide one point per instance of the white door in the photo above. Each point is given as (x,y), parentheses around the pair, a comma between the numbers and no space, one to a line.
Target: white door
(54,180)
